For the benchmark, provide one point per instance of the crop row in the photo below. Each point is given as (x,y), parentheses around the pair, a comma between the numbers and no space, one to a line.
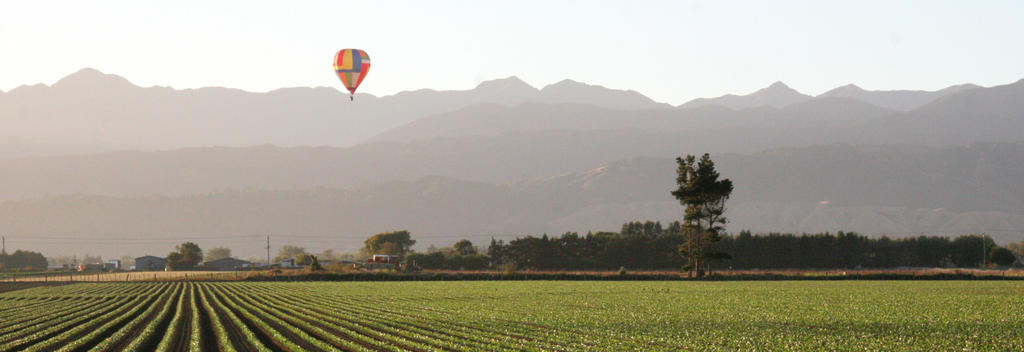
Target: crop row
(513,316)
(198,316)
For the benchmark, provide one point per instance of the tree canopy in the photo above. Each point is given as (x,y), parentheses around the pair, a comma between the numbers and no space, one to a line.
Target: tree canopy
(657,251)
(186,256)
(218,253)
(1017,248)
(461,256)
(464,247)
(289,251)
(1003,257)
(393,243)
(22,260)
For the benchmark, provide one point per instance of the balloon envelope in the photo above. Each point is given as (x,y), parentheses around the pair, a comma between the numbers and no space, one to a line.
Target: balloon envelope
(351,65)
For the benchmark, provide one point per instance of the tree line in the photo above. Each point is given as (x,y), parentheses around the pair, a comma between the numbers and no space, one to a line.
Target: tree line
(699,244)
(22,260)
(649,246)
(696,245)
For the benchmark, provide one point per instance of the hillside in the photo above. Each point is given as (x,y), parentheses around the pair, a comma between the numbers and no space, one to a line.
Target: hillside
(812,122)
(876,190)
(978,177)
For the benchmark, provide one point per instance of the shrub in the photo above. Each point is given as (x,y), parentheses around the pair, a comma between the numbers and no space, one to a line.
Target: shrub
(509,268)
(314,264)
(1003,257)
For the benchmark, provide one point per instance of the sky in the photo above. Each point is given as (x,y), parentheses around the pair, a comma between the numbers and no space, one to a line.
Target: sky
(671,51)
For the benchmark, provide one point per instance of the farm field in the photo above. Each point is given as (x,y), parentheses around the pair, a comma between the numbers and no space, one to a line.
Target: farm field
(516,316)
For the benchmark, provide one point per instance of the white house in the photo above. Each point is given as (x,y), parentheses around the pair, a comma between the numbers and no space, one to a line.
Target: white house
(288,263)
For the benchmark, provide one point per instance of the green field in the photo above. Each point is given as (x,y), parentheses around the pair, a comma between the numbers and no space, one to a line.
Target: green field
(516,316)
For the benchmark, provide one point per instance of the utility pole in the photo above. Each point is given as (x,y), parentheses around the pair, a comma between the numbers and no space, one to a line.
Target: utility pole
(984,256)
(3,249)
(268,251)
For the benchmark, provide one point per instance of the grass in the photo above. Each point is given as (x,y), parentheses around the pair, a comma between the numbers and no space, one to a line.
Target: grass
(527,315)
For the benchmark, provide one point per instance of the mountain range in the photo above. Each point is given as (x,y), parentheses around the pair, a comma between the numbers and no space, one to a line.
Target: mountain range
(94,156)
(90,111)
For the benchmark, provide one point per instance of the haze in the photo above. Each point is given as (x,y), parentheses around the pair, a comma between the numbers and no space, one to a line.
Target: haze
(671,51)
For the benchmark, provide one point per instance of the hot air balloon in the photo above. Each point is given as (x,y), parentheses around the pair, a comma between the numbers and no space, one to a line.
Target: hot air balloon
(351,65)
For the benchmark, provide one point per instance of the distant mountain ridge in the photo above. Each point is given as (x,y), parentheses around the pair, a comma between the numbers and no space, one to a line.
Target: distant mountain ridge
(499,144)
(89,111)
(102,112)
(903,100)
(777,95)
(962,116)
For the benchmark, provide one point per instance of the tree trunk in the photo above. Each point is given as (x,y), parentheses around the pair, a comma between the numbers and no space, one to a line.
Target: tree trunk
(696,267)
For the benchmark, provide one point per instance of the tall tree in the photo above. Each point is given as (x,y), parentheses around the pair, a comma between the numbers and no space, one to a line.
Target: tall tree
(1003,257)
(972,250)
(218,253)
(464,247)
(1017,248)
(305,259)
(186,256)
(394,243)
(176,261)
(703,195)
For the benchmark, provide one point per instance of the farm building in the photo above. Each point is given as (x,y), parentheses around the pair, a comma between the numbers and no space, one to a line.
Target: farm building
(386,259)
(288,263)
(57,267)
(150,262)
(227,264)
(112,264)
(90,267)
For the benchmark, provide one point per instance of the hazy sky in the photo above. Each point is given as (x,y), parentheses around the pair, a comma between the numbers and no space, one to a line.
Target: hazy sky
(672,51)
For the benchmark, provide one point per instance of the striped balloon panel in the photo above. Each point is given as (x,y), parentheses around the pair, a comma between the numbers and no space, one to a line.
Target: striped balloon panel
(351,65)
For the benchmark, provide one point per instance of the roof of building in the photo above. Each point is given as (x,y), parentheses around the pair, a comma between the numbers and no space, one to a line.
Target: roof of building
(221,260)
(150,257)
